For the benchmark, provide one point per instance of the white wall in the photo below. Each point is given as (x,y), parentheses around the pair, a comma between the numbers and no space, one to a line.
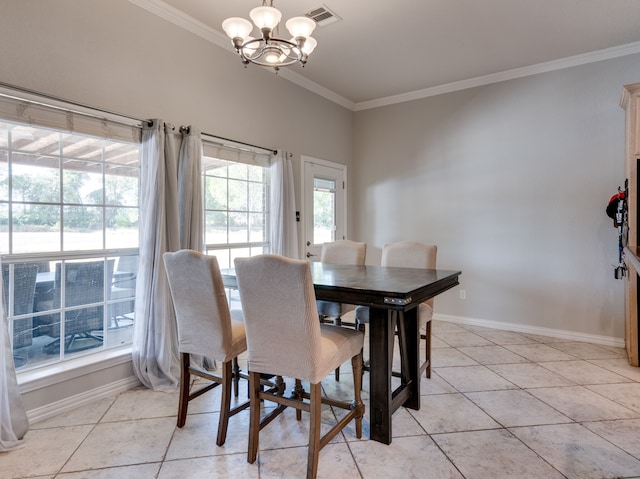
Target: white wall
(116,56)
(511,181)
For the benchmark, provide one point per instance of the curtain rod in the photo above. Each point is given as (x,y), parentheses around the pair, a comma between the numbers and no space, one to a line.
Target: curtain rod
(108,112)
(270,150)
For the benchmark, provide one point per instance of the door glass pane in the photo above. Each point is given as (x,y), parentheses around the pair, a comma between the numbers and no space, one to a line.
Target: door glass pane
(324,210)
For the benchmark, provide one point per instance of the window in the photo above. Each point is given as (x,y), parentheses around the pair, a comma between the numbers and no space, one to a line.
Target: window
(236,205)
(68,238)
(324,207)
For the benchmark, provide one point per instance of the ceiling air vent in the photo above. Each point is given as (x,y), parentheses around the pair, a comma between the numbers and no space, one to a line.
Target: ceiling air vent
(322,16)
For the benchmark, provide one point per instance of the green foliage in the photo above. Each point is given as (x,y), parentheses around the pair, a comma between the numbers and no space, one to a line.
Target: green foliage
(83,199)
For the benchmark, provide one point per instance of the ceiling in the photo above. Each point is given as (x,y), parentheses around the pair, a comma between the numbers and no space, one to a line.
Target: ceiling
(387,51)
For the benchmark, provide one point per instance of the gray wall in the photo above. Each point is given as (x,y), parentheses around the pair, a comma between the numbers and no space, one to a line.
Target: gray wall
(511,181)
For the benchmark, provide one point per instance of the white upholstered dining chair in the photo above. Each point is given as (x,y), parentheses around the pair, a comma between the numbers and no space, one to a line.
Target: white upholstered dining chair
(340,252)
(409,254)
(206,327)
(285,337)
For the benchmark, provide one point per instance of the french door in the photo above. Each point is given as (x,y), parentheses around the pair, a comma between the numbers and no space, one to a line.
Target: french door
(324,200)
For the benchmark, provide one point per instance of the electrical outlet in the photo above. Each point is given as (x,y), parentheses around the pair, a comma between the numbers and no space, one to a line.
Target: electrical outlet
(463,294)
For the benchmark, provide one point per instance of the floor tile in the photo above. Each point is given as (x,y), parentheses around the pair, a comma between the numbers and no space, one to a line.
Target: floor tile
(212,467)
(450,413)
(140,403)
(88,414)
(505,337)
(335,461)
(492,355)
(577,452)
(516,408)
(474,378)
(582,404)
(588,351)
(530,375)
(404,457)
(583,372)
(450,357)
(438,327)
(626,394)
(539,352)
(544,339)
(123,443)
(458,340)
(619,366)
(45,452)
(140,471)
(197,438)
(435,385)
(438,343)
(494,454)
(624,433)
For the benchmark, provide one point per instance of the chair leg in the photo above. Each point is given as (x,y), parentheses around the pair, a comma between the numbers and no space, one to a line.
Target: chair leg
(254,416)
(356,366)
(225,402)
(337,322)
(236,376)
(185,380)
(299,394)
(315,400)
(427,338)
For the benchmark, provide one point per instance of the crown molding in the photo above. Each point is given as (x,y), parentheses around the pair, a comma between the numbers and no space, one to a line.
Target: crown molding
(562,63)
(182,20)
(179,18)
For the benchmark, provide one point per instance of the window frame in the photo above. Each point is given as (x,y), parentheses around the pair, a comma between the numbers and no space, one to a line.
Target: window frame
(96,127)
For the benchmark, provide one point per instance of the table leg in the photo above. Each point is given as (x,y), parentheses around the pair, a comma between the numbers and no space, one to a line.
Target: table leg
(381,338)
(408,326)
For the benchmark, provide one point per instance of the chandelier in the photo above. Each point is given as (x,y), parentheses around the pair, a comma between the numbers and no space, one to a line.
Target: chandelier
(269,50)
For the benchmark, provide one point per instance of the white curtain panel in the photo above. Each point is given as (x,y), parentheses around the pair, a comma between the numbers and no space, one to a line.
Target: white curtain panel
(13,418)
(284,227)
(169,162)
(190,191)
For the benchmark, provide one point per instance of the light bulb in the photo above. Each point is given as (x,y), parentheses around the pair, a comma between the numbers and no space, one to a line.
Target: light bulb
(236,27)
(272,55)
(309,45)
(265,17)
(300,26)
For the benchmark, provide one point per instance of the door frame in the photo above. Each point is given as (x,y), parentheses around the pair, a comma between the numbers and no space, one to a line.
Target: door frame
(303,195)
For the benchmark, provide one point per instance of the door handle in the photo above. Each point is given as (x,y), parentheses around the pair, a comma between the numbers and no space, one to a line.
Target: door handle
(309,255)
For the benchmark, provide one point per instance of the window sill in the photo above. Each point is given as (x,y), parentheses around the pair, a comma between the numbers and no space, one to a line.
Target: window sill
(74,368)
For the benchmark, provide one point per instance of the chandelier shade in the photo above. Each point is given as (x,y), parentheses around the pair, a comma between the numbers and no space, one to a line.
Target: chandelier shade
(269,49)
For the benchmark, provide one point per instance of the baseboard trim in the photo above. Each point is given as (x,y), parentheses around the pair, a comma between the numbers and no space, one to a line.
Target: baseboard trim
(86,397)
(525,328)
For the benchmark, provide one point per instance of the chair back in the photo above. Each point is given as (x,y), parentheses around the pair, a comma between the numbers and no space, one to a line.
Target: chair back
(410,254)
(24,289)
(200,304)
(84,283)
(281,319)
(344,252)
(24,286)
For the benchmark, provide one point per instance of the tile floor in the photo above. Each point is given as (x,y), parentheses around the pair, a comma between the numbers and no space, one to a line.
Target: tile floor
(499,404)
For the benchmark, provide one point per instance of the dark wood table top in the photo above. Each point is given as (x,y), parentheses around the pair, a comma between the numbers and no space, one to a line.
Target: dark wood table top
(377,286)
(382,286)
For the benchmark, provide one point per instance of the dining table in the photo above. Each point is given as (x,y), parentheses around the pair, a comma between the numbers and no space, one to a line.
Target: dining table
(384,290)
